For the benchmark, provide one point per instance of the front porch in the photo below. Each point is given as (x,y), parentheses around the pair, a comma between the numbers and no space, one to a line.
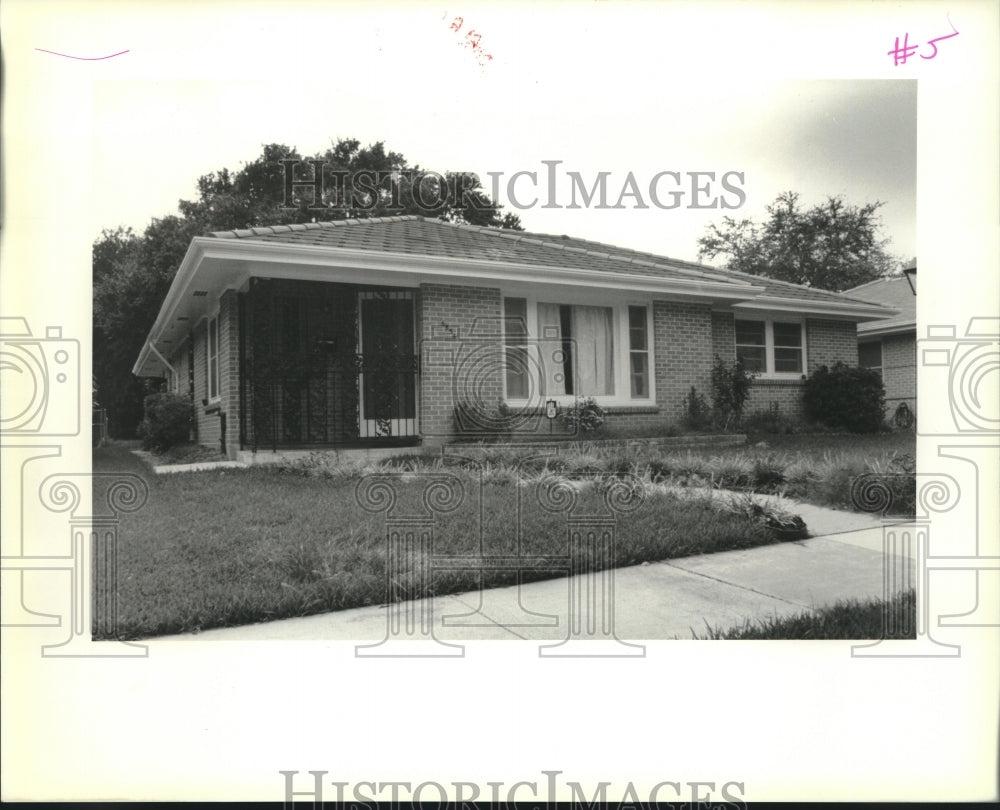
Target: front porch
(326,365)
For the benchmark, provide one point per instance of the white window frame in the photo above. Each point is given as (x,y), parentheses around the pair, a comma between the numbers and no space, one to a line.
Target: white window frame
(212,319)
(769,373)
(621,357)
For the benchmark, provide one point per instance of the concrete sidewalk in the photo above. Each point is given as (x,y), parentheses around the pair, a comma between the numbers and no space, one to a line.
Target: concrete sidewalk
(662,600)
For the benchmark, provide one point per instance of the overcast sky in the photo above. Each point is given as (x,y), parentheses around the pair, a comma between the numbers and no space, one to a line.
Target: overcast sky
(611,105)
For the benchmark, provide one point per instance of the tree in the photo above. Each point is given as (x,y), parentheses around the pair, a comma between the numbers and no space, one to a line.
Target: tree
(832,246)
(131,274)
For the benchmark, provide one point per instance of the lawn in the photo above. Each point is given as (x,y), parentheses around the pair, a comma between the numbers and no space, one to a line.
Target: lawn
(228,547)
(845,620)
(818,468)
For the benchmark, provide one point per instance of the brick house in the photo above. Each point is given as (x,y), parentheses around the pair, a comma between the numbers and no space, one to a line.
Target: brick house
(889,345)
(406,330)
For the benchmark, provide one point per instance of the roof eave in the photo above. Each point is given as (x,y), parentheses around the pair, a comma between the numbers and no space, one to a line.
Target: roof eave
(852,310)
(873,329)
(182,279)
(435,268)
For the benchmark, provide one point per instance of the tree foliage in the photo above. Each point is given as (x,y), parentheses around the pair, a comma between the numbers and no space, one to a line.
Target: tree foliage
(132,273)
(831,246)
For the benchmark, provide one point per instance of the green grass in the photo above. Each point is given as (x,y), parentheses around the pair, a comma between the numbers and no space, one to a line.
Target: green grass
(189,454)
(228,547)
(847,620)
(815,468)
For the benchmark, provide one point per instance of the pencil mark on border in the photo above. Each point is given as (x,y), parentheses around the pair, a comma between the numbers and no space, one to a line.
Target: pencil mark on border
(84,58)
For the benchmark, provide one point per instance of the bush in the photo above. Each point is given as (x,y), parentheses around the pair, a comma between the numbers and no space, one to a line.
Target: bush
(167,421)
(771,421)
(730,388)
(846,397)
(585,415)
(697,414)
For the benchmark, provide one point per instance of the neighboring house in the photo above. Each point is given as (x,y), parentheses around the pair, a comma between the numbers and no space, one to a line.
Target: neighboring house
(412,330)
(889,345)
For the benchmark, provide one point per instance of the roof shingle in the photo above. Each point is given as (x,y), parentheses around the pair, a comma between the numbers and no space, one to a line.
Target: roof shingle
(416,235)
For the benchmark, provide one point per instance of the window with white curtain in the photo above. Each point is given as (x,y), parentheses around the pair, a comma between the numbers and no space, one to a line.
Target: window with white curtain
(554,349)
(577,350)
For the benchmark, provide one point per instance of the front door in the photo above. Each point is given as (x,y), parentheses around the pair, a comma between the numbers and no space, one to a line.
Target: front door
(387,380)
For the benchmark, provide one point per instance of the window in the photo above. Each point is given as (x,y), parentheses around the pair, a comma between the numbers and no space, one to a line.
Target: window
(870,356)
(577,350)
(557,350)
(771,347)
(787,348)
(213,359)
(638,353)
(751,345)
(516,347)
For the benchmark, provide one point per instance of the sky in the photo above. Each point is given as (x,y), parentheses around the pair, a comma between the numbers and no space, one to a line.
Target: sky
(411,81)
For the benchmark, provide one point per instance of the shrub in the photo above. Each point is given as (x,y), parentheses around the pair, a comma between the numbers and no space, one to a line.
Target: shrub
(585,415)
(730,387)
(167,421)
(768,474)
(784,524)
(770,421)
(846,397)
(898,475)
(697,414)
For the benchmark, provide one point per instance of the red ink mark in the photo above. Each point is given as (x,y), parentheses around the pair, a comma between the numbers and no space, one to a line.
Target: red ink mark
(471,40)
(83,58)
(901,54)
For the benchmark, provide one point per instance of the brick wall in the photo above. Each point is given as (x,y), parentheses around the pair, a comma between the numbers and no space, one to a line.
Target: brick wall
(461,353)
(899,371)
(684,349)
(207,416)
(765,395)
(829,342)
(229,368)
(207,430)
(724,336)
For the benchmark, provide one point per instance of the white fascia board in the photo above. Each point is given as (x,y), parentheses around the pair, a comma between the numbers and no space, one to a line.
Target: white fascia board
(443,268)
(415,267)
(872,329)
(847,310)
(182,279)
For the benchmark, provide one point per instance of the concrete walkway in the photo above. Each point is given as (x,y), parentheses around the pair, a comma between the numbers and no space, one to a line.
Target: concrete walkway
(662,600)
